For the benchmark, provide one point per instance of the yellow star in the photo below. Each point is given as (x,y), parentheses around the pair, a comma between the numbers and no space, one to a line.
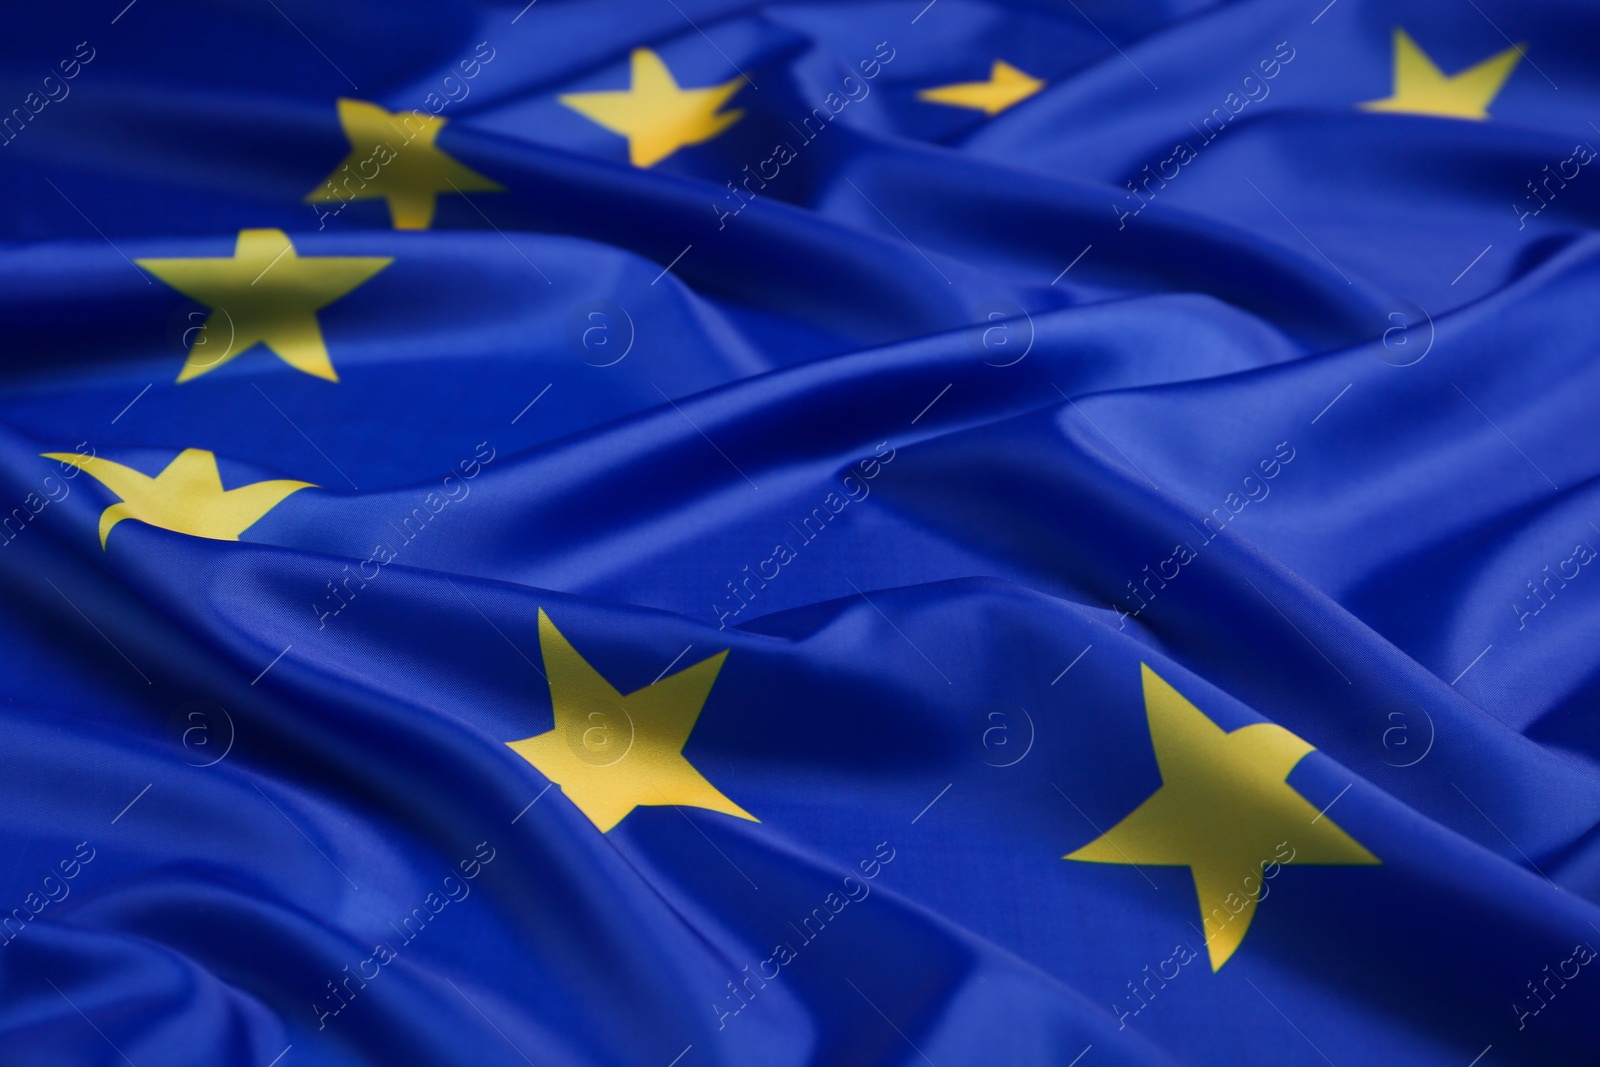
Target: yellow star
(187,496)
(264,292)
(1225,810)
(1421,88)
(610,753)
(1006,87)
(656,116)
(409,176)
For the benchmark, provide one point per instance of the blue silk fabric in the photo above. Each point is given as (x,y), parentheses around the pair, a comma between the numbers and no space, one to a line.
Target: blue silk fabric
(964,434)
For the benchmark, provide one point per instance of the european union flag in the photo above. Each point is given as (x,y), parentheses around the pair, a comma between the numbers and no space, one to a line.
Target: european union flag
(672,533)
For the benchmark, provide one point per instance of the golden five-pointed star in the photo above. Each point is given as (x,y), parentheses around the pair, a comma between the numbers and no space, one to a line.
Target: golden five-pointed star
(1006,87)
(656,116)
(187,496)
(611,753)
(1421,88)
(264,292)
(1225,810)
(394,156)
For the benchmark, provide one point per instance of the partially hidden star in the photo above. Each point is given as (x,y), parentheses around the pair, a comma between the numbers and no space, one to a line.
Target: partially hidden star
(395,156)
(1421,88)
(187,496)
(656,115)
(1007,86)
(611,752)
(1225,810)
(265,293)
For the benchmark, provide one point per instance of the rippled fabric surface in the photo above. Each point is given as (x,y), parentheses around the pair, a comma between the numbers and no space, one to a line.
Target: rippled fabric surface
(608,532)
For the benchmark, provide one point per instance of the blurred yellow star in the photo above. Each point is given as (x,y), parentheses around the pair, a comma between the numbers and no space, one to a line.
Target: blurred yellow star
(1006,87)
(265,292)
(654,114)
(1421,88)
(611,753)
(407,167)
(187,496)
(1225,809)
